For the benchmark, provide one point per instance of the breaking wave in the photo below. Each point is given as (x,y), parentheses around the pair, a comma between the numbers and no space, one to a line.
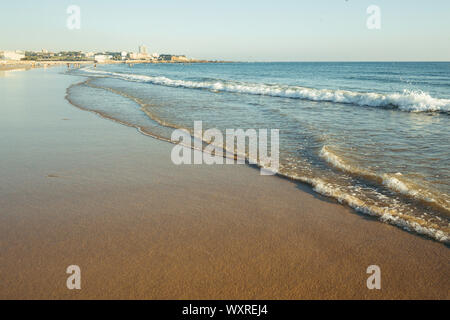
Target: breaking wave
(409,101)
(387,215)
(393,181)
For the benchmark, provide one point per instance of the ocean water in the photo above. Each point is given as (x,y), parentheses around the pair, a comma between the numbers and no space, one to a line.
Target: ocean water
(374,136)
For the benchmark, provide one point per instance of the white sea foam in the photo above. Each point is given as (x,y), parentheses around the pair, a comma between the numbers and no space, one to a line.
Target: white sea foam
(387,215)
(337,162)
(410,101)
(394,182)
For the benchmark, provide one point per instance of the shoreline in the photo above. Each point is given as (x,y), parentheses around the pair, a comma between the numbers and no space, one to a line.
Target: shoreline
(404,223)
(94,193)
(27,65)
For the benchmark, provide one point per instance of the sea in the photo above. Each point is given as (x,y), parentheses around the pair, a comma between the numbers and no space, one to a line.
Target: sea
(374,136)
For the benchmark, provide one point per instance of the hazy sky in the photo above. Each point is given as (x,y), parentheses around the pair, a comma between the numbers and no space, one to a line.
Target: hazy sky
(246,30)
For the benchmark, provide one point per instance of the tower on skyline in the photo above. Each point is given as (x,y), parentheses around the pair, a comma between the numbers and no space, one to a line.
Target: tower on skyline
(142,49)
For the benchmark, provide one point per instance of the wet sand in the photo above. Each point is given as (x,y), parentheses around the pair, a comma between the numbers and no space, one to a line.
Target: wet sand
(79,189)
(27,65)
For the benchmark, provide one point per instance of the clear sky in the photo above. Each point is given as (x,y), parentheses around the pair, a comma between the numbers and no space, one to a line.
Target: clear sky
(245,30)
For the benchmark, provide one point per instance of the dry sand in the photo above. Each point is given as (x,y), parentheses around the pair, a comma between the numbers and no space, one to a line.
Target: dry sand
(79,189)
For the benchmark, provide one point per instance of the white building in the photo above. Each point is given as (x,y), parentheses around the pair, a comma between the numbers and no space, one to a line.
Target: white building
(101,58)
(138,56)
(12,55)
(124,54)
(134,56)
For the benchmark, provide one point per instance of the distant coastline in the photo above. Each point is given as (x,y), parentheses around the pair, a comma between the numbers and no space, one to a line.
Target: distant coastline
(9,65)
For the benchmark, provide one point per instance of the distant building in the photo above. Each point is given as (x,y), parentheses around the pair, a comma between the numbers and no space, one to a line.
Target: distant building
(89,54)
(139,56)
(155,55)
(165,57)
(179,59)
(124,55)
(12,55)
(101,57)
(135,56)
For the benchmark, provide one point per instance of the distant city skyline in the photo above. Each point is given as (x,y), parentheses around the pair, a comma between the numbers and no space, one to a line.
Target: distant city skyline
(286,30)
